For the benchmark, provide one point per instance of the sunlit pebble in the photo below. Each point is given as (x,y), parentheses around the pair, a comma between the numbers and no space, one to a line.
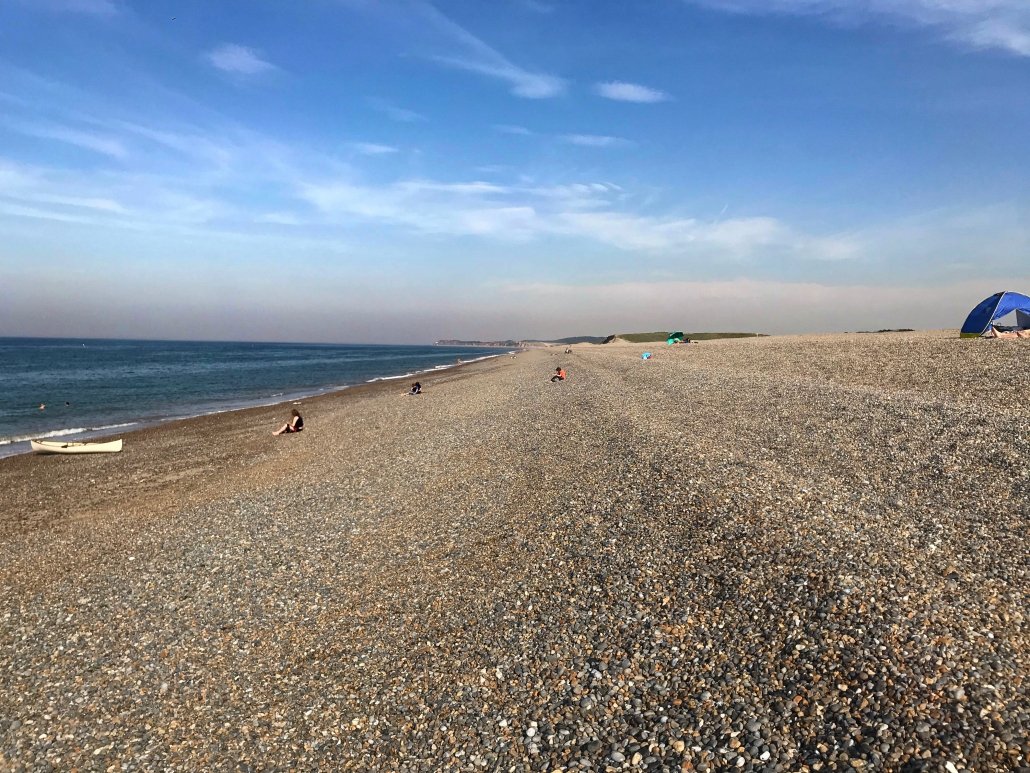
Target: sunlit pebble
(781,554)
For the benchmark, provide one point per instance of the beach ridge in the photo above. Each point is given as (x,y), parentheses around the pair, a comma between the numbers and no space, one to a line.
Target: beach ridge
(793,553)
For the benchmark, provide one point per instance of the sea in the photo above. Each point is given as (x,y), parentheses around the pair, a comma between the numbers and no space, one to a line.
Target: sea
(82,388)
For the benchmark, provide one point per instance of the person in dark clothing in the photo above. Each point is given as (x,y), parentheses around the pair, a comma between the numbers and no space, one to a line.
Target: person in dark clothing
(416,389)
(295,424)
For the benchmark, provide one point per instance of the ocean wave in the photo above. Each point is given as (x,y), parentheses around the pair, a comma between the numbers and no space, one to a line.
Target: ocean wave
(479,359)
(446,366)
(6,441)
(393,378)
(153,402)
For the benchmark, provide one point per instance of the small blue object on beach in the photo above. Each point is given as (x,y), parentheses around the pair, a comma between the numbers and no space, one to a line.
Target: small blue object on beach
(645,356)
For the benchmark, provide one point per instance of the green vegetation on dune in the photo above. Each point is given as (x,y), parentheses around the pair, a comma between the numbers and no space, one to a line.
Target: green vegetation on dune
(579,340)
(642,338)
(712,336)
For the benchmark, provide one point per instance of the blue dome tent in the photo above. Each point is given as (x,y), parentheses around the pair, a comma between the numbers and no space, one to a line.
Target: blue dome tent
(994,308)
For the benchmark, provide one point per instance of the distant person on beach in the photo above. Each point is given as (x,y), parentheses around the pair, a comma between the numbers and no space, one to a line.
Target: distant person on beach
(295,424)
(559,375)
(416,389)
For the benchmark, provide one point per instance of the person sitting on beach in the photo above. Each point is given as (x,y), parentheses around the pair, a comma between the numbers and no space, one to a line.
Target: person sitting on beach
(295,424)
(559,375)
(416,389)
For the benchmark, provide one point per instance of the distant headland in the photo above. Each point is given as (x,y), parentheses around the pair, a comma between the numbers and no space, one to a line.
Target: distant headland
(454,342)
(633,337)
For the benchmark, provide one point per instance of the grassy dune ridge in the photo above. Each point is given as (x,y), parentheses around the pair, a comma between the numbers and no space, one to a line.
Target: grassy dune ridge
(641,338)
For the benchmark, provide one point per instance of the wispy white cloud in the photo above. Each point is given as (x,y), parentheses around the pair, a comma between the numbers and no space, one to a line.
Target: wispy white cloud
(472,208)
(575,190)
(214,151)
(203,177)
(400,114)
(476,187)
(535,6)
(93,7)
(37,213)
(373,148)
(280,218)
(238,60)
(602,213)
(200,192)
(493,168)
(630,92)
(115,197)
(996,33)
(476,56)
(580,210)
(98,143)
(523,83)
(981,24)
(733,239)
(595,140)
(98,204)
(521,131)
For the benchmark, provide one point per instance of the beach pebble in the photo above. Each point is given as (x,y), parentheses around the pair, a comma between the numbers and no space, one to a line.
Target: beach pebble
(777,554)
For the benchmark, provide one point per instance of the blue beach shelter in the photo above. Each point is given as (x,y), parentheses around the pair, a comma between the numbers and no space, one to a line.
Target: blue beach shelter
(989,310)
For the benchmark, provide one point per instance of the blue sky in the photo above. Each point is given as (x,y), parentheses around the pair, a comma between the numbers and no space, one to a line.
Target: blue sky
(350,170)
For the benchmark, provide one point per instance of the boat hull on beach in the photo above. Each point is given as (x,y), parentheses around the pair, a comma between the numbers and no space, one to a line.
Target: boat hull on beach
(67,447)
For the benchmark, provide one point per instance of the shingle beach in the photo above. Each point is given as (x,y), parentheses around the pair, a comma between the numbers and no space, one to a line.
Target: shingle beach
(775,554)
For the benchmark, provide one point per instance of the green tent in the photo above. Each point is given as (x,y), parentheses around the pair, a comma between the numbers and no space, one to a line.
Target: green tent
(674,338)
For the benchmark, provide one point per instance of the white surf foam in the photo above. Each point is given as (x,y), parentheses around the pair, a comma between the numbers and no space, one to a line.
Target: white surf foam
(62,432)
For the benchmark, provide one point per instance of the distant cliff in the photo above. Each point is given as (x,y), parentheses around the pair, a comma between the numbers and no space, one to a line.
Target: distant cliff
(501,344)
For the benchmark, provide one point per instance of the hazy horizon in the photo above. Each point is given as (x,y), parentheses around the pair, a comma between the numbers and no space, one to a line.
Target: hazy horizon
(358,172)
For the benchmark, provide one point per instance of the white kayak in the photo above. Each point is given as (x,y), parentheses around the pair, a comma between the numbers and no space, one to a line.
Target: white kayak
(69,447)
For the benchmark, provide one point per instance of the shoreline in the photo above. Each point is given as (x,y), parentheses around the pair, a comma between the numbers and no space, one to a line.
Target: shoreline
(19,447)
(229,442)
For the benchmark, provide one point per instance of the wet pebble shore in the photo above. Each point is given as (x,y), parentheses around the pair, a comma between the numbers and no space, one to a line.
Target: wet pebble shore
(786,554)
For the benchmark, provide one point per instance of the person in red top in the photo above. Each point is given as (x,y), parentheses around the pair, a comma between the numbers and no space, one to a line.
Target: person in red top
(559,375)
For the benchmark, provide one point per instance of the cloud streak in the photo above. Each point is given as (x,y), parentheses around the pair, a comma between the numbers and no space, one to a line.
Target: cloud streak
(582,211)
(238,60)
(215,178)
(520,131)
(474,55)
(978,24)
(89,7)
(97,143)
(595,140)
(399,114)
(630,92)
(205,173)
(373,148)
